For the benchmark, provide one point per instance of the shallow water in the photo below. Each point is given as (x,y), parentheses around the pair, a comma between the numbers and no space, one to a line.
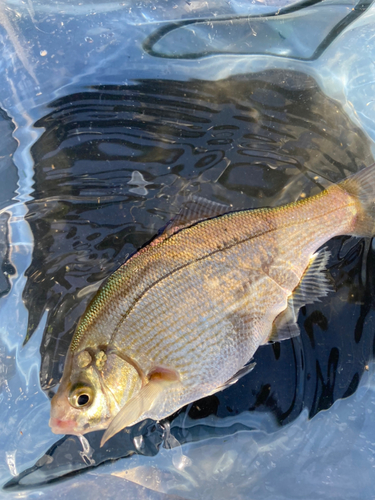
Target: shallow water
(107,152)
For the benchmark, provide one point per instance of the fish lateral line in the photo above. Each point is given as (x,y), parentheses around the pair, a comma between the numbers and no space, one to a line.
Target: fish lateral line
(223,247)
(214,252)
(159,240)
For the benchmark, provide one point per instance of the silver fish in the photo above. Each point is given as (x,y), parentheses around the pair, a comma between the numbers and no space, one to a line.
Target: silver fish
(182,318)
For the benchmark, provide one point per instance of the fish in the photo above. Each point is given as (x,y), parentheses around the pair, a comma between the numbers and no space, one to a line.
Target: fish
(182,318)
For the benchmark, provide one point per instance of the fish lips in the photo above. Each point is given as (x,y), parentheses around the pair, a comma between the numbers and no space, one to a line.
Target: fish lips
(63,426)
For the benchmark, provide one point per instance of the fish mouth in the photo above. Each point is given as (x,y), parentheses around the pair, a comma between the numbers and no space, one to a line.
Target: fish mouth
(59,426)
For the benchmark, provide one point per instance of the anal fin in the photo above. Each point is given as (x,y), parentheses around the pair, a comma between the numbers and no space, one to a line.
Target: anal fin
(241,373)
(313,285)
(285,325)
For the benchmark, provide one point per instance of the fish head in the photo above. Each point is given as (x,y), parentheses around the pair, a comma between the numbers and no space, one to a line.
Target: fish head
(94,386)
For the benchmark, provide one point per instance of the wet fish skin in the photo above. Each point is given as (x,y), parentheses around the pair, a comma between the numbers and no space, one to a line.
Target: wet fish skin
(184,314)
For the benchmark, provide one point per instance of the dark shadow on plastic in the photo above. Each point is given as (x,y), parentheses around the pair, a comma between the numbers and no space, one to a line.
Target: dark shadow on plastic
(66,457)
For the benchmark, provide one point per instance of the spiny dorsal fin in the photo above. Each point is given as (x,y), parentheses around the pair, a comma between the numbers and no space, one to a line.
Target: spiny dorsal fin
(194,210)
(313,285)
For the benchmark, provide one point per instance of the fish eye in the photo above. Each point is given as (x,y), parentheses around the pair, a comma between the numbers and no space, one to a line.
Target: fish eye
(81,396)
(83,399)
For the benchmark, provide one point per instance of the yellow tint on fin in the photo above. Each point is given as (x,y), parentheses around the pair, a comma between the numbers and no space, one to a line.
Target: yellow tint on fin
(158,381)
(361,186)
(313,285)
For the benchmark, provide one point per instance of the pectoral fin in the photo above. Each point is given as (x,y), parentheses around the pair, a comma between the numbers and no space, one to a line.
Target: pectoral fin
(313,285)
(143,402)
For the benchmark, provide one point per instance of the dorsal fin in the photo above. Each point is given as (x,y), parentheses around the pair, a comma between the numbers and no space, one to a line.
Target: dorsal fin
(313,285)
(194,210)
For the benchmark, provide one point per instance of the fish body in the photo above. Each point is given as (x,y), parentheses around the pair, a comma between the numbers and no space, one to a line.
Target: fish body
(186,313)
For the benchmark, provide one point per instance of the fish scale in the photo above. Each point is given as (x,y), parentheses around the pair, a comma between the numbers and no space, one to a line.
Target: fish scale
(182,317)
(193,284)
(168,254)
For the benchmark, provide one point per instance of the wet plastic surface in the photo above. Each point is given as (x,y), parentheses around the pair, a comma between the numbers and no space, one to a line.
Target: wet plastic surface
(111,137)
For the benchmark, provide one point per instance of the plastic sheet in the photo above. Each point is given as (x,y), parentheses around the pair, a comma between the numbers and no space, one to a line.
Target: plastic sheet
(52,51)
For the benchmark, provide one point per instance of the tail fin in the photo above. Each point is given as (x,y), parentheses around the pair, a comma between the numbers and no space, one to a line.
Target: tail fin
(362,187)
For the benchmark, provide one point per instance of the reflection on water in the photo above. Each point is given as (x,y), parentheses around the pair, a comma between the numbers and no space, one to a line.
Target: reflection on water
(112,167)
